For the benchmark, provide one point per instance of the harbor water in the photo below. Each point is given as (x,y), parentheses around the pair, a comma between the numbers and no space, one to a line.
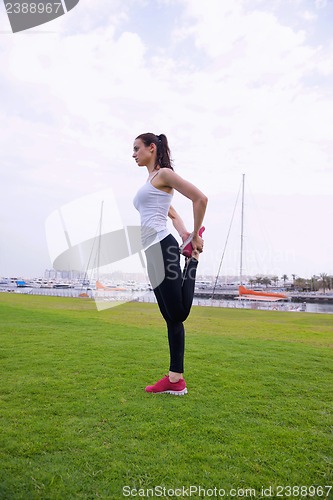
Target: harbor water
(149,297)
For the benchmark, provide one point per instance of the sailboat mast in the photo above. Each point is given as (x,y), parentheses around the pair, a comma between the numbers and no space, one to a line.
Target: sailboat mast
(99,240)
(242,234)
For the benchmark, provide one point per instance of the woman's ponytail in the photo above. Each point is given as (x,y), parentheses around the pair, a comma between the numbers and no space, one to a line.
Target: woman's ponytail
(163,152)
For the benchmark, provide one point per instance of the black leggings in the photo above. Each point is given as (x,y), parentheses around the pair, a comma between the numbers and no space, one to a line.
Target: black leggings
(174,292)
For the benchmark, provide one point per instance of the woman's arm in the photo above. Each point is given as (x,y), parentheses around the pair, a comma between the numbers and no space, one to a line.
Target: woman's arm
(167,178)
(178,223)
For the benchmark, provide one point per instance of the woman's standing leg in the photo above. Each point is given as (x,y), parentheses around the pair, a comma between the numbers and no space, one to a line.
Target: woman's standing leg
(176,337)
(174,296)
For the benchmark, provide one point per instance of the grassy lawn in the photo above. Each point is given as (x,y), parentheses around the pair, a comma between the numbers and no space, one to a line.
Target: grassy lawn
(75,421)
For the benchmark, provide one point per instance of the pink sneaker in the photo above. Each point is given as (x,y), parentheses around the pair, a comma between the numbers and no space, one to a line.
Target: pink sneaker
(164,386)
(186,248)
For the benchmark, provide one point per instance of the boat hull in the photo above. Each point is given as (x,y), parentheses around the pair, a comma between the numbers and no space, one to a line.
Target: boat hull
(245,293)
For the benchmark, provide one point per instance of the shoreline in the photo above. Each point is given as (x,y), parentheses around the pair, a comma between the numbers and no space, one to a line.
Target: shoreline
(201,298)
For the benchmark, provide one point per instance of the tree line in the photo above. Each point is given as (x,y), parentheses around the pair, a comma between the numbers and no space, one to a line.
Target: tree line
(321,282)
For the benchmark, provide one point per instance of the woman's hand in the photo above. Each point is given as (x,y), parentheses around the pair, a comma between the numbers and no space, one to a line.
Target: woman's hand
(197,243)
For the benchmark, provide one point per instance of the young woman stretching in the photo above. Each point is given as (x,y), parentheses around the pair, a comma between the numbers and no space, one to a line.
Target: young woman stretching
(173,288)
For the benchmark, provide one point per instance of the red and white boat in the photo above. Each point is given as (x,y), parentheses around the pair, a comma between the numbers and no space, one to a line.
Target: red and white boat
(245,293)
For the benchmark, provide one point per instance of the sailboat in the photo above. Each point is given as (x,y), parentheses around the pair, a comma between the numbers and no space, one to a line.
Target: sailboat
(245,293)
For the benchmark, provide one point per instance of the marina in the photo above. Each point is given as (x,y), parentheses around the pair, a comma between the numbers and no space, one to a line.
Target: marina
(315,302)
(241,291)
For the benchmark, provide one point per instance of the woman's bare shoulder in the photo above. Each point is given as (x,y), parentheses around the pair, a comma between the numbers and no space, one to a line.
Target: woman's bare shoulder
(171,180)
(169,176)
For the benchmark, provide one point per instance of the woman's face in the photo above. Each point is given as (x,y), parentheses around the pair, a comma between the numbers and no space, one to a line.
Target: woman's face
(142,154)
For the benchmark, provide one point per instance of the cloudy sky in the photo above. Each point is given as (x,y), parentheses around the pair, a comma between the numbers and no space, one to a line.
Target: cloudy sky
(238,86)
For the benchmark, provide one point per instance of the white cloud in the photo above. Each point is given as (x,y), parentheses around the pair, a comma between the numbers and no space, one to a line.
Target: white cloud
(248,96)
(320,3)
(309,15)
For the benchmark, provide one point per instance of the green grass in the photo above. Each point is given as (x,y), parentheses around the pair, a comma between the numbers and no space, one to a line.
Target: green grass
(75,421)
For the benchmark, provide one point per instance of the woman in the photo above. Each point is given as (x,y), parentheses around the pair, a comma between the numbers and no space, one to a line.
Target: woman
(173,289)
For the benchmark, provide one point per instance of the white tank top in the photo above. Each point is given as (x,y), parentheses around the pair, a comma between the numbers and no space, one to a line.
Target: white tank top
(153,205)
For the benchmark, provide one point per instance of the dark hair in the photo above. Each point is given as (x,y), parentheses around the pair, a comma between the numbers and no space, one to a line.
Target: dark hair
(162,147)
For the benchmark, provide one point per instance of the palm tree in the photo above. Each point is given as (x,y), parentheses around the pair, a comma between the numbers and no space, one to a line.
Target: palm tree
(284,278)
(300,283)
(330,282)
(275,280)
(258,280)
(323,282)
(314,283)
(252,282)
(266,281)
